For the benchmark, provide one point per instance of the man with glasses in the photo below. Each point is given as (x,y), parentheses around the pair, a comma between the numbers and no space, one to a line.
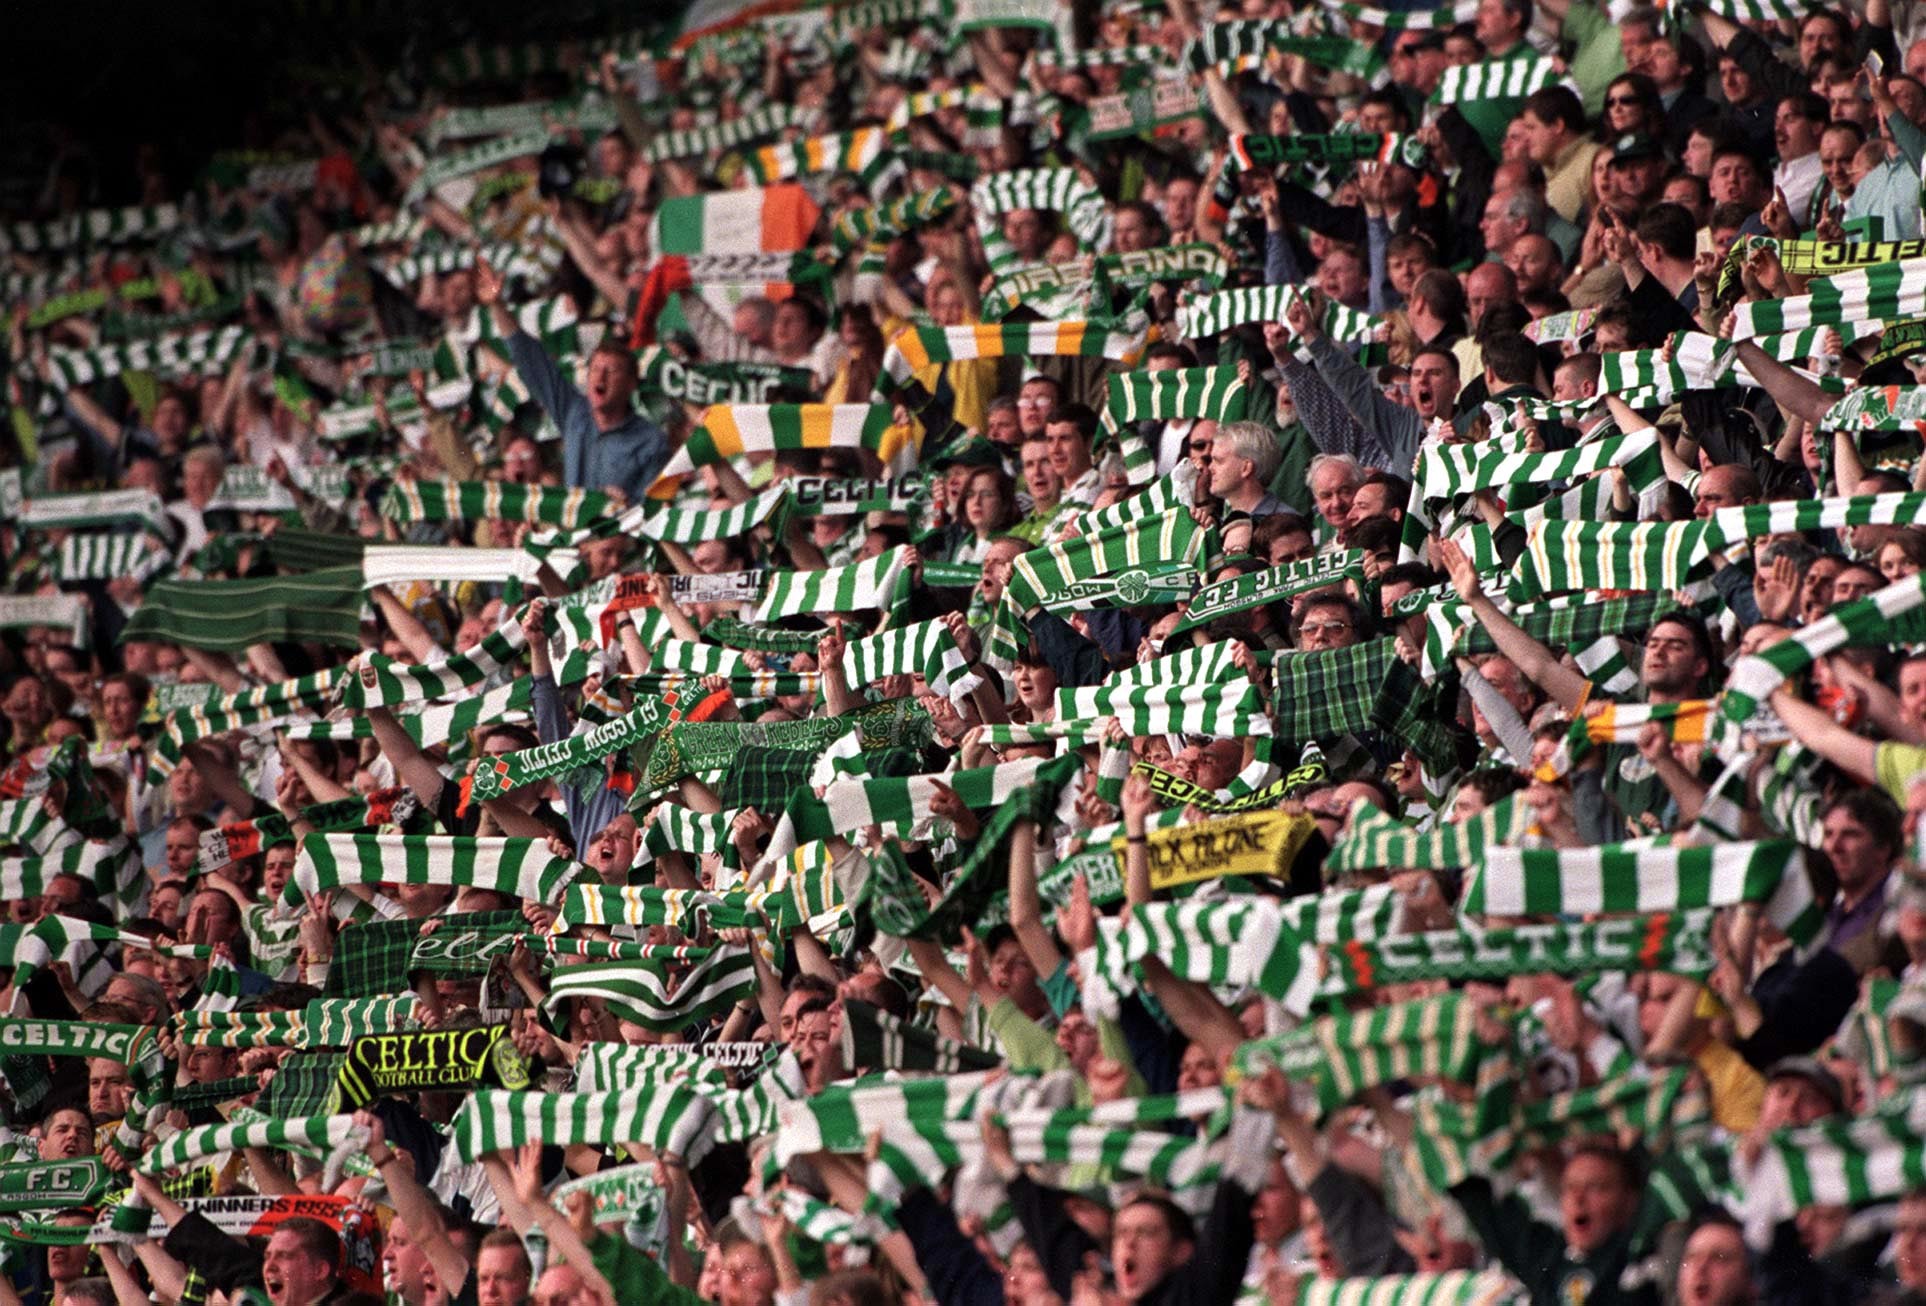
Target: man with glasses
(1034,402)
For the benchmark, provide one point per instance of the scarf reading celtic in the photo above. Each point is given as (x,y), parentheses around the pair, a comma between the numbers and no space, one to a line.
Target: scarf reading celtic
(508,771)
(1337,147)
(441,1060)
(1679,943)
(1255,589)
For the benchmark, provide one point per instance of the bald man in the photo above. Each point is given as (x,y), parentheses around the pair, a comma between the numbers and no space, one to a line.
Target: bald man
(1536,264)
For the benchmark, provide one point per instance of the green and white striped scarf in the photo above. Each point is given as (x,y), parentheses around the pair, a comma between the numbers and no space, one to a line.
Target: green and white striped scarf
(1738,525)
(924,649)
(1449,470)
(168,356)
(879,583)
(1213,392)
(654,996)
(660,521)
(1375,841)
(432,726)
(1172,537)
(858,227)
(859,150)
(1223,711)
(1495,79)
(1589,555)
(1341,1056)
(1886,291)
(689,910)
(91,227)
(1625,878)
(1450,1288)
(521,868)
(1059,190)
(875,1040)
(1838,1162)
(455,501)
(674,1119)
(111,868)
(1864,621)
(327,1134)
(1214,314)
(106,557)
(1878,408)
(1676,943)
(381,681)
(694,141)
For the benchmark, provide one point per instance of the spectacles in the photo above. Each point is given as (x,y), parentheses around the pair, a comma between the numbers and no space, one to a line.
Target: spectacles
(1032,402)
(1621,102)
(1324,628)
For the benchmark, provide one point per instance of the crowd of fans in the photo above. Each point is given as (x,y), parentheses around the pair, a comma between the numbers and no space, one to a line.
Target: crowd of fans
(1083,834)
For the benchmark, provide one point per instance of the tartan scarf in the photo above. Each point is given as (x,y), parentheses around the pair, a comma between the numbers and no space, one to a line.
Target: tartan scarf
(916,348)
(1495,79)
(655,997)
(973,883)
(1679,943)
(674,1119)
(1375,841)
(1341,1056)
(1863,621)
(692,142)
(455,501)
(1576,623)
(1620,878)
(230,615)
(875,1040)
(1332,693)
(498,775)
(698,747)
(1235,944)
(1886,291)
(521,868)
(381,681)
(730,430)
(379,957)
(880,583)
(1273,585)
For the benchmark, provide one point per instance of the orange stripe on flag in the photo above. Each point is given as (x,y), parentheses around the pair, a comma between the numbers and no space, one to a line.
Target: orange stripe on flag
(788,216)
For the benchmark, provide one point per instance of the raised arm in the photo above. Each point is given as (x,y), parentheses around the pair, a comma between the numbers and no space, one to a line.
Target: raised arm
(413,1204)
(1534,659)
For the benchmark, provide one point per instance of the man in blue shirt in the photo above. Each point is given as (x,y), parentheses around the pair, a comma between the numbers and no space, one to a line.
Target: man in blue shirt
(606,444)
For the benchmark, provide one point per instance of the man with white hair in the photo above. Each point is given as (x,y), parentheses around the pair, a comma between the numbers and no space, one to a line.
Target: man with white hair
(1243,459)
(1333,480)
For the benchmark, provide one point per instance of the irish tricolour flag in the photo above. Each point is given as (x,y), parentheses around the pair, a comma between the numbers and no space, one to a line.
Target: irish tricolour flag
(773,219)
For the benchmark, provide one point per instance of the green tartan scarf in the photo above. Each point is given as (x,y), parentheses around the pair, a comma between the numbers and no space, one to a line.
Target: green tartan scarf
(305,1082)
(383,956)
(875,1040)
(230,615)
(695,747)
(890,902)
(1331,693)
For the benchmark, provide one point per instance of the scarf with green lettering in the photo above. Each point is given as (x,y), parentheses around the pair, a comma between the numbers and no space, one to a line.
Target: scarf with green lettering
(716,383)
(1273,585)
